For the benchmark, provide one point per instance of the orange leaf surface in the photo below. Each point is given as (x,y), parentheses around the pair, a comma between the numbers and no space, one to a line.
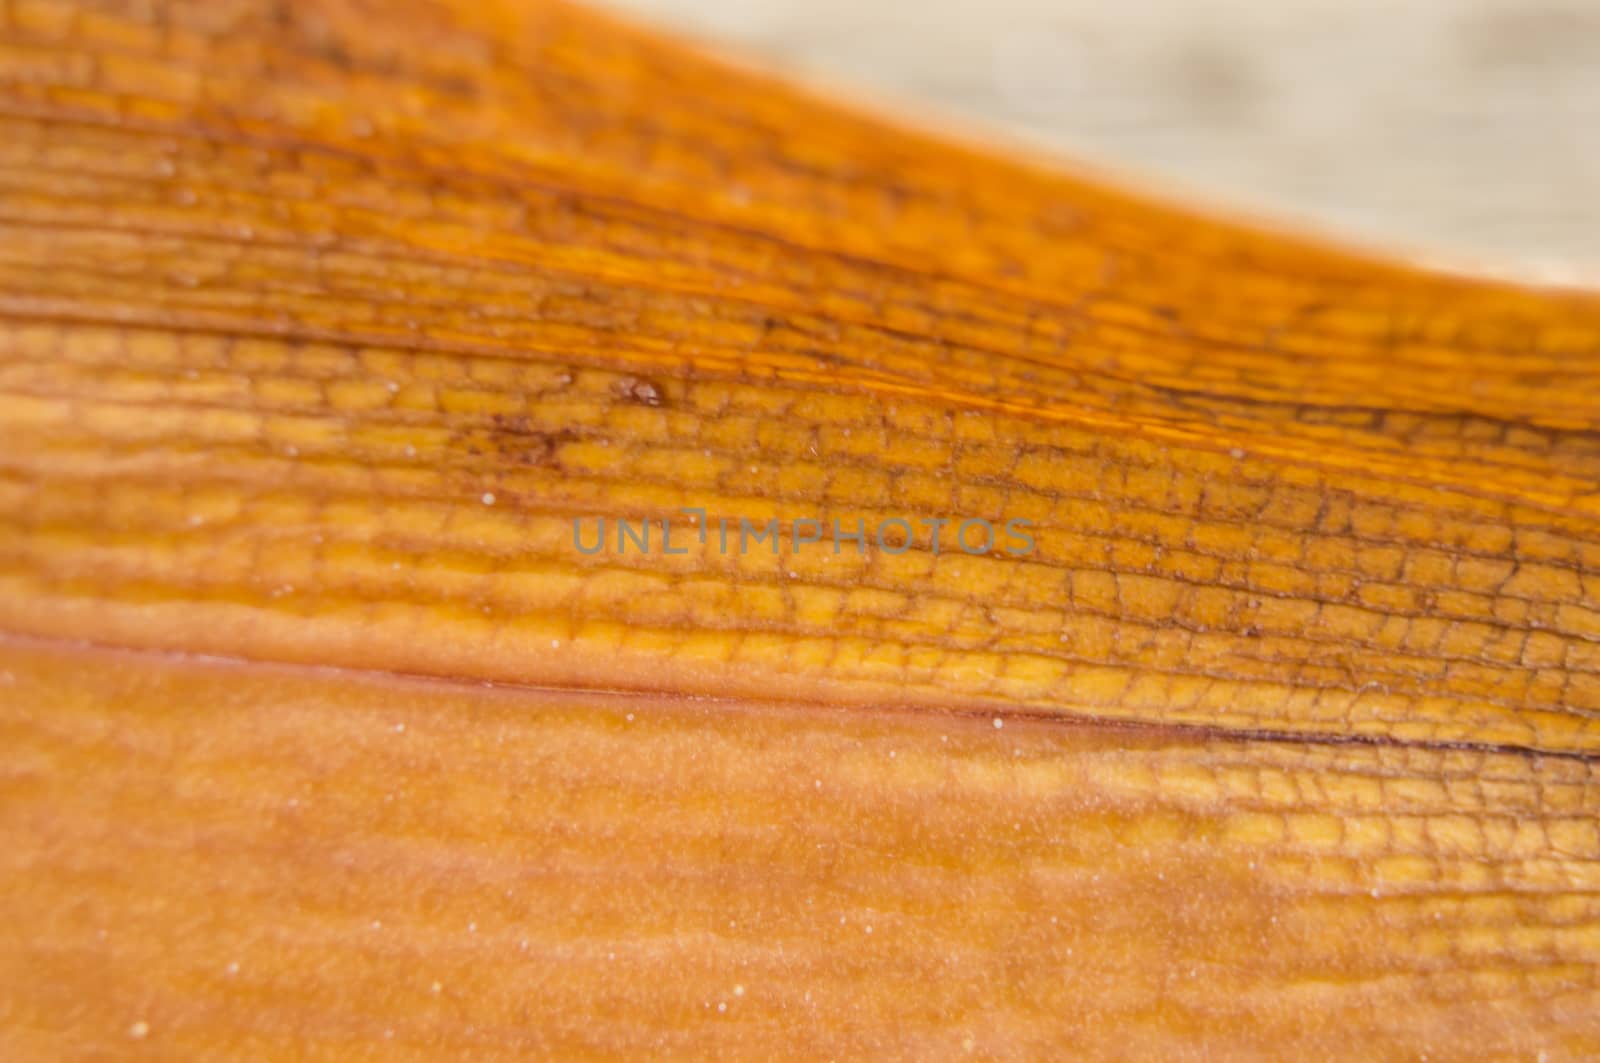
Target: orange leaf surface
(330,334)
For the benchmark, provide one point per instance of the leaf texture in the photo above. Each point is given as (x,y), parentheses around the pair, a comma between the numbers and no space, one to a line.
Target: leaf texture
(322,324)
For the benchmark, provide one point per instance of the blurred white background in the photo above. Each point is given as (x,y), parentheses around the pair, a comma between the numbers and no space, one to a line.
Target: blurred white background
(1465,130)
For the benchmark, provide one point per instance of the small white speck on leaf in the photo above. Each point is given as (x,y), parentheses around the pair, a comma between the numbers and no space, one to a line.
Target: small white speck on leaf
(488,498)
(139,1030)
